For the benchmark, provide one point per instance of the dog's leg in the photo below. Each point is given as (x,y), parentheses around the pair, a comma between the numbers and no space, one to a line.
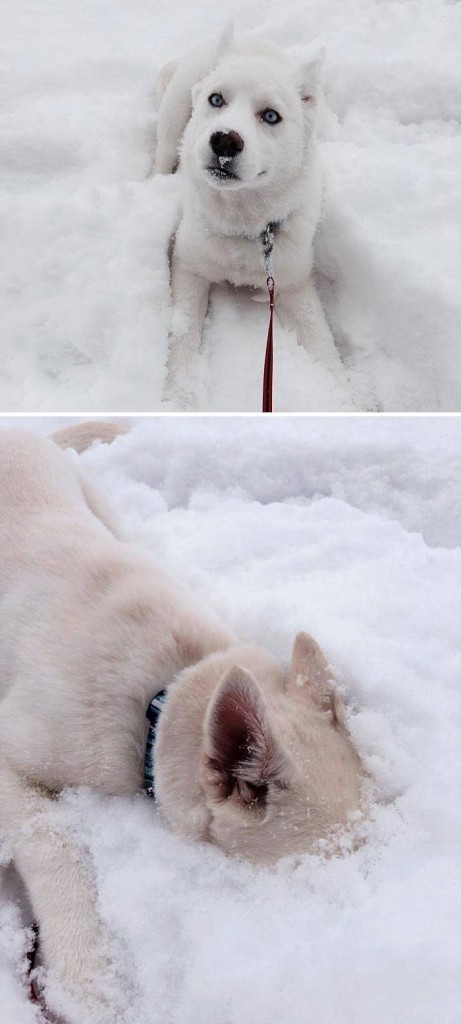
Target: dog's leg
(61,894)
(301,310)
(190,295)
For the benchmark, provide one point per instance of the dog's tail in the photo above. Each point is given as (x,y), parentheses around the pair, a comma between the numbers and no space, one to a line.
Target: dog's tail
(164,78)
(81,436)
(175,82)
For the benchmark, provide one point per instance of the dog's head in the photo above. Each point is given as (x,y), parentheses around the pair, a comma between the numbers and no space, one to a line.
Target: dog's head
(252,119)
(275,769)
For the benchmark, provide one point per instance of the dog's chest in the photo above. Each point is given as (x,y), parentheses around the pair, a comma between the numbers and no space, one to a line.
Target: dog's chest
(238,260)
(243,261)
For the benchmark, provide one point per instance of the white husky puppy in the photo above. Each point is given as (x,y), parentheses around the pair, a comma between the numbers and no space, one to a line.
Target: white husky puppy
(242,116)
(247,755)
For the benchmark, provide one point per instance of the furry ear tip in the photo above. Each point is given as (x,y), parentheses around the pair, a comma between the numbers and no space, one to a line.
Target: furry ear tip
(311,72)
(226,37)
(316,59)
(236,677)
(302,636)
(305,642)
(308,663)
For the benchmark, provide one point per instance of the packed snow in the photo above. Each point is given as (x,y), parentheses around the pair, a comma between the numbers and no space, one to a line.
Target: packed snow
(350,529)
(85,281)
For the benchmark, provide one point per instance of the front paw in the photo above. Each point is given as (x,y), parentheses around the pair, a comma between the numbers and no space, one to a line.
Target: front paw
(179,393)
(92,985)
(105,996)
(185,387)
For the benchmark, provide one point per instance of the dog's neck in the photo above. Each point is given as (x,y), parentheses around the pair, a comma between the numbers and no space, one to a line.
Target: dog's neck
(247,212)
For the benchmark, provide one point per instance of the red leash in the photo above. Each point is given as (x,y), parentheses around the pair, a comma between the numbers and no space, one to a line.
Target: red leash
(34,995)
(32,958)
(269,360)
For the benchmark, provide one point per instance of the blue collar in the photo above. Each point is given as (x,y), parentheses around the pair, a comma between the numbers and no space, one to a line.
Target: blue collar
(153,714)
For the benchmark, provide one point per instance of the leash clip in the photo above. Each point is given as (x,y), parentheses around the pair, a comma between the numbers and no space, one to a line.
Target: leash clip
(267,241)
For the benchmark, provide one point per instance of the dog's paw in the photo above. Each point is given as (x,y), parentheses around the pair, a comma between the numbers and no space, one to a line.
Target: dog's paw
(179,395)
(103,999)
(100,989)
(185,388)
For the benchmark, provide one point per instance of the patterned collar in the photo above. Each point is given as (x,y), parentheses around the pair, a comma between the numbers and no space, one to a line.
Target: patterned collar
(153,714)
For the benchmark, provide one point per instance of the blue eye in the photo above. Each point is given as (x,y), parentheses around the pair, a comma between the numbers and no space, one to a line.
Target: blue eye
(216,99)
(270,116)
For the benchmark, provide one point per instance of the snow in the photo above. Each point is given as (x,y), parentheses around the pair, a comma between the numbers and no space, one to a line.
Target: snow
(85,306)
(349,528)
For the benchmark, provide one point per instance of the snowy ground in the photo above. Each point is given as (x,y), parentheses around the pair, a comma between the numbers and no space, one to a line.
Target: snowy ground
(84,277)
(352,530)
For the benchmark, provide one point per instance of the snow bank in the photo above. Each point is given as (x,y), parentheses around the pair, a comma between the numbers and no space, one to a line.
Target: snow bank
(286,525)
(85,228)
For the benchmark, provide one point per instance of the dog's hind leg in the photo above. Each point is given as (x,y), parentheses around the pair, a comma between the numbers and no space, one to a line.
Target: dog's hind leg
(61,893)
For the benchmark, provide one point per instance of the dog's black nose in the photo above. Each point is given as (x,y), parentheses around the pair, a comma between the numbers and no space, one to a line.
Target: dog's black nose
(226,143)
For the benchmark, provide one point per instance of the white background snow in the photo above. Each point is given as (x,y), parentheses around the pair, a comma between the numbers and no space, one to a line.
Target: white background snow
(349,528)
(84,276)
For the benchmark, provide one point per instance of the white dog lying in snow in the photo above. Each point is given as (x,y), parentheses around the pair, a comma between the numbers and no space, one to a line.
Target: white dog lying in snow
(241,115)
(247,756)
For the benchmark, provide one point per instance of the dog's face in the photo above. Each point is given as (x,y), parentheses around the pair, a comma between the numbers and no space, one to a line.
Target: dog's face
(254,760)
(279,770)
(251,122)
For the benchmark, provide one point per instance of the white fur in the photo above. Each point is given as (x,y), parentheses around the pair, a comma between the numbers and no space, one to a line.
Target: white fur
(90,630)
(278,179)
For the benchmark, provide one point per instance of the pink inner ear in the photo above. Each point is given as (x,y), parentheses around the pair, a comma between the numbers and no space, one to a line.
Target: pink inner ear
(237,734)
(242,756)
(240,748)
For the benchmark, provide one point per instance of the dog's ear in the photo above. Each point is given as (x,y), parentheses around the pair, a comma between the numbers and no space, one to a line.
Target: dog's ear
(226,39)
(241,755)
(309,671)
(224,43)
(195,92)
(310,74)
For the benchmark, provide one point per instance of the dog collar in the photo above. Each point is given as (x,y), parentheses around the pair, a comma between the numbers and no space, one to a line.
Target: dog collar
(273,226)
(152,714)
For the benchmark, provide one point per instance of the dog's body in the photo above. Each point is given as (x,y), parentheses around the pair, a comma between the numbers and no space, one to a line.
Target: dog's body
(240,173)
(246,757)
